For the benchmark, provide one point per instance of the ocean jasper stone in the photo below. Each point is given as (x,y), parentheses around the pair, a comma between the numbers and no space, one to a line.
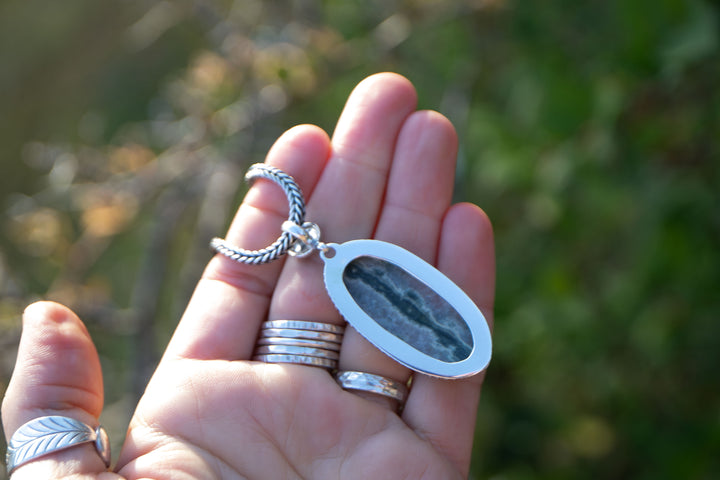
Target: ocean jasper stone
(408,309)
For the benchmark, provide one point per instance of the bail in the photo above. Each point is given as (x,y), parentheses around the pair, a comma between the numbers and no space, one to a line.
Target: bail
(306,238)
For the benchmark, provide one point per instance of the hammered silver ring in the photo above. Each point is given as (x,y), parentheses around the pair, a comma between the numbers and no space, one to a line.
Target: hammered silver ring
(301,342)
(377,384)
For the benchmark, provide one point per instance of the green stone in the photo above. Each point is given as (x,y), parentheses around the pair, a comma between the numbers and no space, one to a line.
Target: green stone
(408,308)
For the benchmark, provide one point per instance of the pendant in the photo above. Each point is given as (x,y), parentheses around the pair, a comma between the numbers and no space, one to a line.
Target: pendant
(401,304)
(407,308)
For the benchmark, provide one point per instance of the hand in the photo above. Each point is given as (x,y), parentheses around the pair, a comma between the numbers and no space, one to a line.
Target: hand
(208,412)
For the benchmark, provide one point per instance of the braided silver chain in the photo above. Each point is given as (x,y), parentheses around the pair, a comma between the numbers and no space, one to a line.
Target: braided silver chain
(286,240)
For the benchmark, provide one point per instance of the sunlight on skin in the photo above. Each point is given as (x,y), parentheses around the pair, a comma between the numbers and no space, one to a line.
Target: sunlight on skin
(206,413)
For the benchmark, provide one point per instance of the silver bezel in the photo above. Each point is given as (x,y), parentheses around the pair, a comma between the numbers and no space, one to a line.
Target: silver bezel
(337,257)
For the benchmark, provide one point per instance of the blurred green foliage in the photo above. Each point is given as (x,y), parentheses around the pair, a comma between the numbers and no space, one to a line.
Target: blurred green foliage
(589,133)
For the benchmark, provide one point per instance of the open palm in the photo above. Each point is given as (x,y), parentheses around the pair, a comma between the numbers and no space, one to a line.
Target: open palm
(207,412)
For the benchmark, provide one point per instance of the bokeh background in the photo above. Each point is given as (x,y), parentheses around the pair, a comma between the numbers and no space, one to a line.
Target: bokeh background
(589,132)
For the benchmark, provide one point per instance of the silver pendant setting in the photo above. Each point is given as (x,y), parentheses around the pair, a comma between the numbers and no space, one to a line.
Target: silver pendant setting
(400,303)
(407,308)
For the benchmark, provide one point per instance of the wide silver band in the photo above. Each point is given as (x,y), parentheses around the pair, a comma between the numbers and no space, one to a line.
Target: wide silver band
(315,344)
(368,382)
(45,435)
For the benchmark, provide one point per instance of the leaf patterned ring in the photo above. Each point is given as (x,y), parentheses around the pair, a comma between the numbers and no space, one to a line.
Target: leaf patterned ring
(44,435)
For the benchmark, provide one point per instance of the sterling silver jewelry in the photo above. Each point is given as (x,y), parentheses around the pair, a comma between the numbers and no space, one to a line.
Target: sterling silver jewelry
(293,341)
(283,243)
(368,382)
(45,435)
(301,334)
(298,359)
(298,342)
(294,350)
(397,301)
(302,325)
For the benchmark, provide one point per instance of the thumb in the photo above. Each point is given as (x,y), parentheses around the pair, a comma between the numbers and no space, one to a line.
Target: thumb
(57,373)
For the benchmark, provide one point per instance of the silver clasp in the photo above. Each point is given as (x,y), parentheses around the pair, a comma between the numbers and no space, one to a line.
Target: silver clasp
(307,238)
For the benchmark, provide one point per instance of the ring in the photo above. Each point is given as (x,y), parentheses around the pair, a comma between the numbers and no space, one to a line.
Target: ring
(367,382)
(301,334)
(293,350)
(44,435)
(298,359)
(315,344)
(302,325)
(297,342)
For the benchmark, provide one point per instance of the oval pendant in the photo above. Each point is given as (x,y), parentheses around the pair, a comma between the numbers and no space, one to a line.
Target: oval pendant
(407,308)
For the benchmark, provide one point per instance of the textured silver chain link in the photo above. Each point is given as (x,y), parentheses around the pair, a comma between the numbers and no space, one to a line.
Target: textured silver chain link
(286,239)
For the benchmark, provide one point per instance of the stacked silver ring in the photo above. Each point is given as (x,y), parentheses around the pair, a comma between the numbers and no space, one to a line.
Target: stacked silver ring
(294,341)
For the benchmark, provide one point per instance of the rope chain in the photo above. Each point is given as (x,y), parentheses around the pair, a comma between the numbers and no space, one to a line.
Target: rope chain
(285,241)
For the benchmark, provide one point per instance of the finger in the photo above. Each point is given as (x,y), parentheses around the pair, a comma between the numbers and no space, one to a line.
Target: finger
(348,196)
(57,373)
(418,194)
(444,411)
(230,300)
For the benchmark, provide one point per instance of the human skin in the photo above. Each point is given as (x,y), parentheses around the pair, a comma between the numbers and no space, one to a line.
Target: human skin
(208,412)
